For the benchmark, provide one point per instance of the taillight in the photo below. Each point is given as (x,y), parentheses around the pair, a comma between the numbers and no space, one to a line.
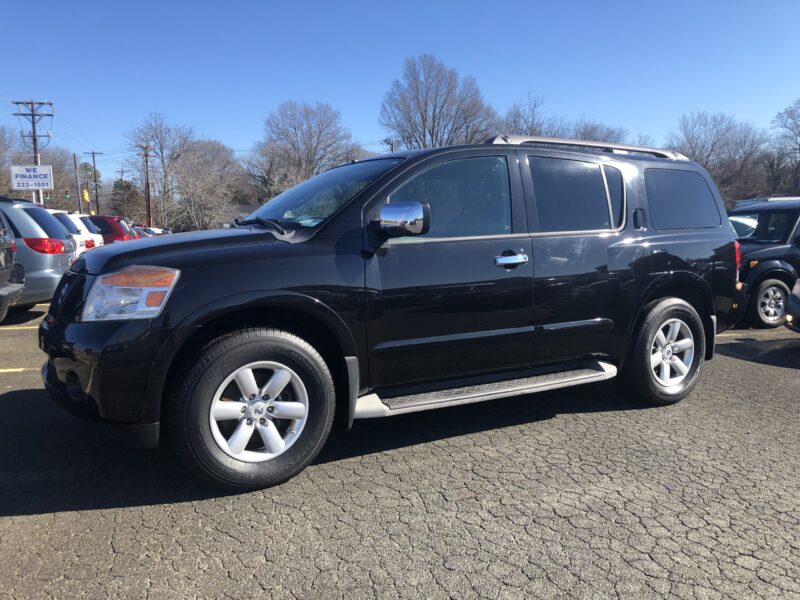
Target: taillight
(737,248)
(89,244)
(45,245)
(13,246)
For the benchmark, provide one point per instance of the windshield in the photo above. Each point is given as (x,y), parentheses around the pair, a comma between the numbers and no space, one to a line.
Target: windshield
(764,226)
(314,200)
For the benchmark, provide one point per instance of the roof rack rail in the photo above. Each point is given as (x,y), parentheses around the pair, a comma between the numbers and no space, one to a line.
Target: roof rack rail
(604,146)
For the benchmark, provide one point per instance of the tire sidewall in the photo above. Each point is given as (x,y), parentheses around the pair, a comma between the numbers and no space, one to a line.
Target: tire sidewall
(197,394)
(662,312)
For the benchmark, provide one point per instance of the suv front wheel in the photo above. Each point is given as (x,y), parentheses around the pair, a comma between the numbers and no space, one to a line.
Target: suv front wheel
(667,354)
(255,409)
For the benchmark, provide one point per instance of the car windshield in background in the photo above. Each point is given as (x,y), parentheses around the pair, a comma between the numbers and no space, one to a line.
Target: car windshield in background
(313,201)
(51,226)
(764,226)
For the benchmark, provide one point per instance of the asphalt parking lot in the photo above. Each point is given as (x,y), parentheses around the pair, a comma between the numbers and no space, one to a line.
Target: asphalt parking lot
(573,494)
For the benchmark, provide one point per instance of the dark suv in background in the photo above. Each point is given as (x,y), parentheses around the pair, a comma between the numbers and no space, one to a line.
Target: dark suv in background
(769,234)
(402,283)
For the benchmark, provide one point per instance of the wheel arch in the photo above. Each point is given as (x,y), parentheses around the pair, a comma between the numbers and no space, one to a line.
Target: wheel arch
(689,287)
(771,269)
(301,315)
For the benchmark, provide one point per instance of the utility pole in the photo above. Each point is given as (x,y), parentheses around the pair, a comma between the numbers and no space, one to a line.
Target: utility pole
(34,115)
(145,154)
(390,142)
(122,189)
(77,181)
(94,168)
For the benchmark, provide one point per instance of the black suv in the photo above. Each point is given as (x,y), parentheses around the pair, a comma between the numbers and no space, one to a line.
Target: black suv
(769,234)
(402,283)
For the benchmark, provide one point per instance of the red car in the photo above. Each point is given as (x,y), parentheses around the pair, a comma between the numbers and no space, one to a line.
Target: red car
(113,229)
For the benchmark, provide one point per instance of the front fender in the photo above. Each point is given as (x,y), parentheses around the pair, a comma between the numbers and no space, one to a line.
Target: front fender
(260,299)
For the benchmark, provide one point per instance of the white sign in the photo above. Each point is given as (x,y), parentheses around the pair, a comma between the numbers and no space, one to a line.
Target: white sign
(32,177)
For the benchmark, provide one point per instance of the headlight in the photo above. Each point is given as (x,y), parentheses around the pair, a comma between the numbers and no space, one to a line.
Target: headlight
(135,292)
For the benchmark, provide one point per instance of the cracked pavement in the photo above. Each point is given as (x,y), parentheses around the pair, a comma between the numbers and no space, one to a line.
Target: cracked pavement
(570,494)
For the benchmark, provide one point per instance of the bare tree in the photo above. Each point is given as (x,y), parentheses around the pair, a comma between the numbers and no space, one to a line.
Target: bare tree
(525,117)
(432,106)
(787,142)
(301,140)
(167,143)
(733,152)
(207,179)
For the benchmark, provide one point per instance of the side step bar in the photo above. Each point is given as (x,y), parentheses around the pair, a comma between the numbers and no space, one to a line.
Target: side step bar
(372,405)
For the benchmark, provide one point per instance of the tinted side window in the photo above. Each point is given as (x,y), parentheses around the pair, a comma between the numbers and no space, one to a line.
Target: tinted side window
(616,193)
(89,225)
(66,222)
(570,195)
(102,226)
(468,196)
(680,200)
(47,222)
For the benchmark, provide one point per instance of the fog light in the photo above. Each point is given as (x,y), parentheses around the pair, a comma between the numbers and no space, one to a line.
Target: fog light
(789,318)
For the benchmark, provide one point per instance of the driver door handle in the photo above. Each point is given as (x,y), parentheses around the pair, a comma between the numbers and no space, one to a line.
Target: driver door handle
(510,260)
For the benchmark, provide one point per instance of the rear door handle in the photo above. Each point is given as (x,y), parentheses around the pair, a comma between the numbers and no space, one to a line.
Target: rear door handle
(510,260)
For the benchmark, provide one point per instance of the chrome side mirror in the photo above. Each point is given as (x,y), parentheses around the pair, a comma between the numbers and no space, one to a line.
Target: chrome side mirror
(405,218)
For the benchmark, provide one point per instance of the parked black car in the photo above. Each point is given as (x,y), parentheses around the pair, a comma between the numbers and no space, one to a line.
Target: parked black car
(12,274)
(402,283)
(769,234)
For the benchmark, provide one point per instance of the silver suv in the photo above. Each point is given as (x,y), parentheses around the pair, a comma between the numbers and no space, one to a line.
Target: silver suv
(44,248)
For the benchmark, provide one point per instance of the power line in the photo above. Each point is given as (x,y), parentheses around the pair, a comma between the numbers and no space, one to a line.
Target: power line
(34,115)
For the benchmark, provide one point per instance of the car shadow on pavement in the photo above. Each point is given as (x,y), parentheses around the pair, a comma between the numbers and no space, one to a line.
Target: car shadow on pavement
(776,353)
(21,317)
(52,462)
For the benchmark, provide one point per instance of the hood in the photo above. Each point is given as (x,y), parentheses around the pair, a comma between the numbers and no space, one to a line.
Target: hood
(178,250)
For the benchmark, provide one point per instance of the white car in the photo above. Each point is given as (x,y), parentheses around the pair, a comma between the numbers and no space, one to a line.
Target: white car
(83,241)
(87,227)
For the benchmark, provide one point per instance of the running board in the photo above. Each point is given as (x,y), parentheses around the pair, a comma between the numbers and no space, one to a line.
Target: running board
(371,405)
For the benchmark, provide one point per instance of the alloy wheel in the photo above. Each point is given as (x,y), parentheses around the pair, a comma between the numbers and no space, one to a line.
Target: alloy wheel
(772,304)
(672,353)
(258,411)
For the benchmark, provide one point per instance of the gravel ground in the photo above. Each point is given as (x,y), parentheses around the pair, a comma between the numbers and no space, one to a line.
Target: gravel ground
(571,494)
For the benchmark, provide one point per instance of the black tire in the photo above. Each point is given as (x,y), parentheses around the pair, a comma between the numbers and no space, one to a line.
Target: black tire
(757,318)
(188,419)
(639,375)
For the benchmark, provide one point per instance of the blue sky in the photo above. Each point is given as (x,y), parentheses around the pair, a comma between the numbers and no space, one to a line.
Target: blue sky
(221,67)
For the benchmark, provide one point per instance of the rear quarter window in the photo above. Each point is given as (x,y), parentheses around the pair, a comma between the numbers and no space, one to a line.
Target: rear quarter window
(89,225)
(680,199)
(47,222)
(102,226)
(67,223)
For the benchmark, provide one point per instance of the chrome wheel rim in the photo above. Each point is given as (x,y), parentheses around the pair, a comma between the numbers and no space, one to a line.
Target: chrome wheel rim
(772,304)
(672,353)
(258,411)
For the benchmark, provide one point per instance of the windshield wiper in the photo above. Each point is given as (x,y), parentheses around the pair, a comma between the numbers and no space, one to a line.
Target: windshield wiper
(272,224)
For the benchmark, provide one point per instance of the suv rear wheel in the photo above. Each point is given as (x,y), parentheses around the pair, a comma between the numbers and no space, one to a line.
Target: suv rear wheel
(768,307)
(255,409)
(668,352)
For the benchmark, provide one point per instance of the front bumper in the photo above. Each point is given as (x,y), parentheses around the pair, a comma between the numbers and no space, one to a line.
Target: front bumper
(111,372)
(75,401)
